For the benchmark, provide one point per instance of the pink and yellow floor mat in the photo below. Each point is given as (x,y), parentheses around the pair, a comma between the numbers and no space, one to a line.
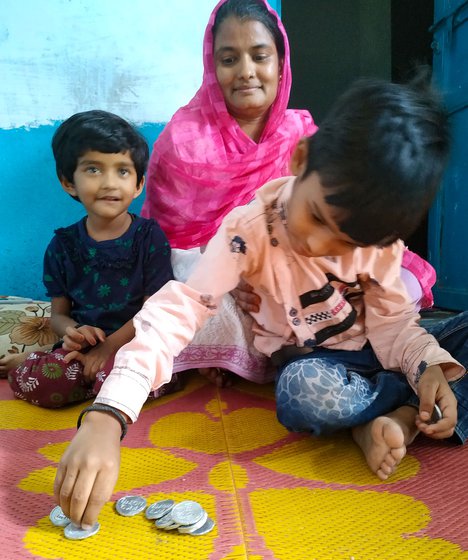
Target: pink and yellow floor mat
(273,495)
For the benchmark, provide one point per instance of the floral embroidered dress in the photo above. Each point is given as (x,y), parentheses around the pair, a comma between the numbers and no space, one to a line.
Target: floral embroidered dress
(106,281)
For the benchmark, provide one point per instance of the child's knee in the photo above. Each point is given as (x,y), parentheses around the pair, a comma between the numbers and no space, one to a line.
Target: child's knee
(299,398)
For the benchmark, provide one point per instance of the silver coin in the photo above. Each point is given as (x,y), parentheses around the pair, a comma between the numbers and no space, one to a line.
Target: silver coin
(76,533)
(159,509)
(170,527)
(130,505)
(207,527)
(195,526)
(436,415)
(58,518)
(165,521)
(187,512)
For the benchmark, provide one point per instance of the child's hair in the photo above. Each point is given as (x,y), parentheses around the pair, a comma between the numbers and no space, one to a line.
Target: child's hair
(255,10)
(99,131)
(380,154)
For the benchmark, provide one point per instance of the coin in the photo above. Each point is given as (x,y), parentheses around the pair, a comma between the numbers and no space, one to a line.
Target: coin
(58,518)
(207,527)
(436,415)
(187,512)
(195,526)
(130,505)
(76,533)
(166,521)
(170,527)
(159,509)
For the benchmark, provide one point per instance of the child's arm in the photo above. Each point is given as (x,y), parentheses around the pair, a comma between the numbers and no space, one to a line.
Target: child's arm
(60,318)
(89,468)
(401,344)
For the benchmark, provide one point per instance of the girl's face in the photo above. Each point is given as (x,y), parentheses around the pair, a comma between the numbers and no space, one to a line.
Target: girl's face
(106,184)
(247,67)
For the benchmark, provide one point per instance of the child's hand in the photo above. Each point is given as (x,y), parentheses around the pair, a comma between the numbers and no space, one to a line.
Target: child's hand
(88,470)
(434,388)
(81,337)
(93,361)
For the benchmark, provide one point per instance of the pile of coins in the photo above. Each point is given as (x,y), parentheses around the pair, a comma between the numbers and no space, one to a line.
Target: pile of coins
(187,517)
(71,531)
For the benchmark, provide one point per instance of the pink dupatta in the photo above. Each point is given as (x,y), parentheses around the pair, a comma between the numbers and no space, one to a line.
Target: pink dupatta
(203,165)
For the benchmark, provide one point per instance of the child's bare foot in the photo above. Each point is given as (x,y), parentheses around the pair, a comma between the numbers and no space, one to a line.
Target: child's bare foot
(383,440)
(11,361)
(220,377)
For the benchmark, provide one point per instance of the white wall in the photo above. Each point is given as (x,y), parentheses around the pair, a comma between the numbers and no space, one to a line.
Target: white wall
(141,59)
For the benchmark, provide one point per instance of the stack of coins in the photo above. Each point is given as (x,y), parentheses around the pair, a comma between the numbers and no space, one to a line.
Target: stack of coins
(71,531)
(187,517)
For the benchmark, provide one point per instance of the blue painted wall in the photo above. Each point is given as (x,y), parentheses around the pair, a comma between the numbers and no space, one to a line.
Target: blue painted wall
(140,60)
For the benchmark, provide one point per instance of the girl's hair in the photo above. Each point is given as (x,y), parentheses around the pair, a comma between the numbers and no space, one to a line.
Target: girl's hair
(250,10)
(380,154)
(99,131)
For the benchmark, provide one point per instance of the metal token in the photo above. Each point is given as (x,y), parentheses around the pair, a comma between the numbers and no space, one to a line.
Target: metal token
(58,518)
(159,509)
(207,527)
(130,505)
(195,526)
(187,512)
(170,527)
(436,415)
(76,533)
(165,521)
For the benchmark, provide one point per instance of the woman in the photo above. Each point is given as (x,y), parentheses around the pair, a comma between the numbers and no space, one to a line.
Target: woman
(232,137)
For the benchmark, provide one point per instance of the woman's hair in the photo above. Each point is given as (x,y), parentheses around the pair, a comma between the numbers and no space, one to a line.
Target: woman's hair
(250,10)
(380,154)
(99,131)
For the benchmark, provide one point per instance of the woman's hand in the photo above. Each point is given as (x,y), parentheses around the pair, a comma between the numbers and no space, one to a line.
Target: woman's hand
(433,388)
(89,468)
(246,298)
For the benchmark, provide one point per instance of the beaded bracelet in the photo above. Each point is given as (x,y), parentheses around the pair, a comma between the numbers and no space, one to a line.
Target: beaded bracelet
(104,408)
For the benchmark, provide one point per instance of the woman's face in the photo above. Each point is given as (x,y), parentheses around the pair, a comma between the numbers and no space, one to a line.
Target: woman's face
(247,67)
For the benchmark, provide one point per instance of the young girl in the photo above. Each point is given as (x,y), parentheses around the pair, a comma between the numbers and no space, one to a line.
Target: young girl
(100,270)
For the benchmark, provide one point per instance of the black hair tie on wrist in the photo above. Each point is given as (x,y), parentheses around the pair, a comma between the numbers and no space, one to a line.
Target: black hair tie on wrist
(104,408)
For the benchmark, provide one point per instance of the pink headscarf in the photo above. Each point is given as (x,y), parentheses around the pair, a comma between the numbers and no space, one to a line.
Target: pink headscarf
(203,165)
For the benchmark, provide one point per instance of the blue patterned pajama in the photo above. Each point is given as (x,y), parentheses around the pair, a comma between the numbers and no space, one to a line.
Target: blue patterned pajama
(329,390)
